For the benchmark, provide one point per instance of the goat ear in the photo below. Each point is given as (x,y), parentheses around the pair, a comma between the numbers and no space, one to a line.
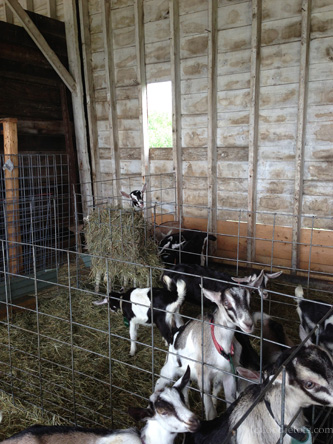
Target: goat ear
(240,280)
(184,380)
(125,194)
(273,275)
(140,414)
(252,375)
(214,296)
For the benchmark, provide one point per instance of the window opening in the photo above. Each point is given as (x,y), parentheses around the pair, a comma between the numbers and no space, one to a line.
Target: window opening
(159,96)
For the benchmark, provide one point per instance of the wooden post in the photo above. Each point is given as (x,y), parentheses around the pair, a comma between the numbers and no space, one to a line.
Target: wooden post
(212,120)
(140,51)
(253,128)
(176,105)
(301,125)
(112,100)
(12,195)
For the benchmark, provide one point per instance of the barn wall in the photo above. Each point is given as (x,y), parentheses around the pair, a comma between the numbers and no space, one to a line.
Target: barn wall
(266,115)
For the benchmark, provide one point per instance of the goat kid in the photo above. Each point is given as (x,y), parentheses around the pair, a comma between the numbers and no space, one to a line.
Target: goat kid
(308,381)
(136,196)
(187,246)
(135,304)
(207,347)
(253,277)
(213,280)
(275,339)
(310,313)
(166,417)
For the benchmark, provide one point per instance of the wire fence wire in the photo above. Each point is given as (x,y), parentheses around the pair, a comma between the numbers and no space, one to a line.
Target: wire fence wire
(62,355)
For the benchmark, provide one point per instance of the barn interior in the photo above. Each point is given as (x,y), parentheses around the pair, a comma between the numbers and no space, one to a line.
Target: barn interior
(245,89)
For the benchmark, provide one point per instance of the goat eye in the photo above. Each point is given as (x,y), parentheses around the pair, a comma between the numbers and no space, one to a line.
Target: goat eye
(309,385)
(227,305)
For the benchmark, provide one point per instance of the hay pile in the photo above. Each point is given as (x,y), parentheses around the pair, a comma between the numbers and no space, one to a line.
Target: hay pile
(123,237)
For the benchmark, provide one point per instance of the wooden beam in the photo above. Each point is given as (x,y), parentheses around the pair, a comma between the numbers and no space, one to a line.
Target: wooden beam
(9,17)
(42,44)
(301,125)
(11,174)
(111,97)
(51,8)
(212,118)
(176,105)
(74,58)
(90,96)
(140,52)
(28,5)
(253,127)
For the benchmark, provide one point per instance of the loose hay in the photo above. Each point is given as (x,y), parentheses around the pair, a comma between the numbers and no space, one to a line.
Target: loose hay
(124,237)
(79,380)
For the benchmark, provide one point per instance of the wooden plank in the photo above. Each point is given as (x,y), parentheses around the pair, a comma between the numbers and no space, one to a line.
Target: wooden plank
(156,10)
(90,96)
(69,139)
(8,14)
(158,72)
(196,137)
(40,41)
(51,8)
(235,15)
(158,52)
(193,23)
(176,104)
(107,17)
(28,5)
(301,125)
(12,195)
(194,46)
(142,91)
(253,127)
(72,33)
(281,31)
(212,120)
(194,103)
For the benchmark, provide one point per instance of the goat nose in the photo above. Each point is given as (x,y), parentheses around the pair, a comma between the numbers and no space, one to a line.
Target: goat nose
(194,424)
(248,327)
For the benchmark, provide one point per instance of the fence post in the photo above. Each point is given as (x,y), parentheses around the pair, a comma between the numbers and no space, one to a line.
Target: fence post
(12,194)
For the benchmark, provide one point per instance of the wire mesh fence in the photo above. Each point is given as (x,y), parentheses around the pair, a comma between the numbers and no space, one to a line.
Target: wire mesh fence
(67,357)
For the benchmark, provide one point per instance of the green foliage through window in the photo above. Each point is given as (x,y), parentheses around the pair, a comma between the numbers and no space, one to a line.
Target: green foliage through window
(160,130)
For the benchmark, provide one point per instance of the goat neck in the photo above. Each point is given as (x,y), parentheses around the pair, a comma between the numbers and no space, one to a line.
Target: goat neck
(223,336)
(153,433)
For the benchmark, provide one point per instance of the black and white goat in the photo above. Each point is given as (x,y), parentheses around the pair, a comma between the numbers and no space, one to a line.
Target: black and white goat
(256,415)
(136,196)
(166,417)
(310,313)
(214,280)
(275,339)
(186,246)
(136,303)
(262,289)
(207,346)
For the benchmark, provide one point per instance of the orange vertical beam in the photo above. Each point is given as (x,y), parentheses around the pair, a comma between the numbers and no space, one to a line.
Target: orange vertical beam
(12,195)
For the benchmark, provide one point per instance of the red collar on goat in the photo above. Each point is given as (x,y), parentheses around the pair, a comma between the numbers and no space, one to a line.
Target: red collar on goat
(218,347)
